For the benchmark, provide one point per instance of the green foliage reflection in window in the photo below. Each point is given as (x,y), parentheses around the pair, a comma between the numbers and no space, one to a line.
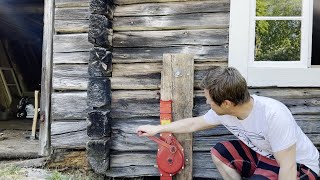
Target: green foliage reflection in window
(278,40)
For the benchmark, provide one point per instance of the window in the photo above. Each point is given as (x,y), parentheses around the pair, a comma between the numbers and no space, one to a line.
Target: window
(271,42)
(315,60)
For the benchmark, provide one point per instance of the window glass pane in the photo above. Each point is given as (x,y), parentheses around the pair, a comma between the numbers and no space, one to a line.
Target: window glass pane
(316,34)
(278,7)
(277,40)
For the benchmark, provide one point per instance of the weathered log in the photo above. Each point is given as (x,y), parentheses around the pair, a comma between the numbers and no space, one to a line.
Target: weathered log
(71,26)
(63,102)
(63,127)
(100,31)
(103,7)
(72,13)
(100,63)
(157,9)
(69,83)
(70,140)
(202,53)
(172,22)
(121,2)
(130,164)
(134,83)
(125,76)
(149,105)
(211,37)
(99,92)
(98,152)
(71,43)
(71,58)
(99,124)
(70,77)
(72,3)
(70,70)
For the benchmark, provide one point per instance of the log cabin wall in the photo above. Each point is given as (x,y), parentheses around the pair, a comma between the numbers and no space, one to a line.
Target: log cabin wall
(142,31)
(69,83)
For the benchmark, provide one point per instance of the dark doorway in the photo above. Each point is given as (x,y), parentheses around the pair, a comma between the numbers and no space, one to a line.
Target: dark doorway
(21,31)
(316,34)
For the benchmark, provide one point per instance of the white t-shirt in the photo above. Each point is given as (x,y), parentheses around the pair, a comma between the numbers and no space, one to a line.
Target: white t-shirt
(270,127)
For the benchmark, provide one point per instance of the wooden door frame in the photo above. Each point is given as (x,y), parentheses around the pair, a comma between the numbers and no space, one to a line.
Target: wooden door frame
(46,80)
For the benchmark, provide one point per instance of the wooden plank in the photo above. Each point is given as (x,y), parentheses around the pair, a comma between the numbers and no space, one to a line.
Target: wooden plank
(145,162)
(177,85)
(70,77)
(71,105)
(63,127)
(172,22)
(72,3)
(146,103)
(71,26)
(45,101)
(124,139)
(70,140)
(75,13)
(201,53)
(213,37)
(120,2)
(71,43)
(71,58)
(157,9)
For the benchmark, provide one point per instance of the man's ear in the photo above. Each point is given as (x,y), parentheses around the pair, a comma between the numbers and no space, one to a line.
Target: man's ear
(227,103)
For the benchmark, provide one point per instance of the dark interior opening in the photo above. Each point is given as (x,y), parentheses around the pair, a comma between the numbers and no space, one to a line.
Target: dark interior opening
(21,31)
(315,60)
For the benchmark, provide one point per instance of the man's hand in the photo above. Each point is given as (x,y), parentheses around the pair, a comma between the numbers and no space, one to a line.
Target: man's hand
(148,130)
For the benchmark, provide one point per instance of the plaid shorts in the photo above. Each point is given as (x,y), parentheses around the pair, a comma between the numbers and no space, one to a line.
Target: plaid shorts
(248,163)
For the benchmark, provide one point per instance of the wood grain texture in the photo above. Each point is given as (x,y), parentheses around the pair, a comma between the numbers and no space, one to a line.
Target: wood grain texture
(45,100)
(155,54)
(71,26)
(71,58)
(173,22)
(72,3)
(177,77)
(121,2)
(158,9)
(63,102)
(212,37)
(71,43)
(74,13)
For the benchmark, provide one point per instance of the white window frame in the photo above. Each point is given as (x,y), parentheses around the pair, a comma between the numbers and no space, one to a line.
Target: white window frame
(279,73)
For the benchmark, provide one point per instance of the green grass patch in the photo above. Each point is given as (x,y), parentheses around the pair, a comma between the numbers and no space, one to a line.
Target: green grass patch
(11,173)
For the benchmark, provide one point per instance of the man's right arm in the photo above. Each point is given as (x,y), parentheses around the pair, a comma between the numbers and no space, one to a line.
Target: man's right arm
(187,125)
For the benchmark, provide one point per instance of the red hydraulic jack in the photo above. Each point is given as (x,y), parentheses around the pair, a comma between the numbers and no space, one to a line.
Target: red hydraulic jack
(170,157)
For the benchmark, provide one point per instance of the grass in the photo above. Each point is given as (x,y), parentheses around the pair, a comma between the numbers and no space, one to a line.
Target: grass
(70,175)
(11,173)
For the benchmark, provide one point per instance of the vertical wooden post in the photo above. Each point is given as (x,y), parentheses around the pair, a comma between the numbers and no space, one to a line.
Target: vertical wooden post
(177,78)
(45,102)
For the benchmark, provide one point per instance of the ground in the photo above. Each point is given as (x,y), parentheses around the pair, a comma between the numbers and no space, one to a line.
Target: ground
(16,144)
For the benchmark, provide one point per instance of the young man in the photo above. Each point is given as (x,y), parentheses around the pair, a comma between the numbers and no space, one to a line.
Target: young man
(271,145)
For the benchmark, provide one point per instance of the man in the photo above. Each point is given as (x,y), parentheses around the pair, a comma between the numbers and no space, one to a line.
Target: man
(271,145)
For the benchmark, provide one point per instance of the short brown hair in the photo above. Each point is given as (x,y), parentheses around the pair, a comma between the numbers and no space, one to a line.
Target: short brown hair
(226,83)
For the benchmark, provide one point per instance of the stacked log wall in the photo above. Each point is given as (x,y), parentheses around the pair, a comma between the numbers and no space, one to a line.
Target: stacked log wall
(143,31)
(69,83)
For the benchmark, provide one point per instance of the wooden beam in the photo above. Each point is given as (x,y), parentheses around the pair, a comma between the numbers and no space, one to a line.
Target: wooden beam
(177,85)
(45,101)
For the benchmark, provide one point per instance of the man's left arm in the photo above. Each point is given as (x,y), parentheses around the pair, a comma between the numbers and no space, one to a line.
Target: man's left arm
(287,161)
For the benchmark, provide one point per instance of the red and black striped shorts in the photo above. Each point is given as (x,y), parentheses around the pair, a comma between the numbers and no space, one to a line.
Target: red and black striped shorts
(250,164)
